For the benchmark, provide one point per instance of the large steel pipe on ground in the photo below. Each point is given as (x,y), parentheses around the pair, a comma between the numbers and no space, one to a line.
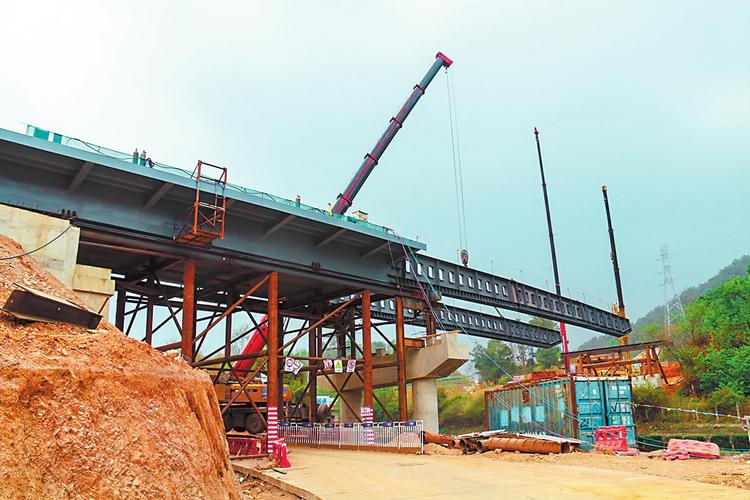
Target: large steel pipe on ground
(441,439)
(524,445)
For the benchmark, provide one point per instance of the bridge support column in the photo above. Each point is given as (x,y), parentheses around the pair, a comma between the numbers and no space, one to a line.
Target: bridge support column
(354,398)
(425,404)
(367,350)
(120,309)
(188,310)
(273,386)
(401,359)
(312,348)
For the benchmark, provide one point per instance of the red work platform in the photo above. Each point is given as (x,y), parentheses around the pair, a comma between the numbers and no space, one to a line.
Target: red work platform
(205,221)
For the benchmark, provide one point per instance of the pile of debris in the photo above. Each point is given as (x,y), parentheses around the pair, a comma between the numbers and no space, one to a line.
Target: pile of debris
(92,413)
(480,442)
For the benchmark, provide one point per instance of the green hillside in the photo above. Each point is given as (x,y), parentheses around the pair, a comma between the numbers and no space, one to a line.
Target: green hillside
(644,329)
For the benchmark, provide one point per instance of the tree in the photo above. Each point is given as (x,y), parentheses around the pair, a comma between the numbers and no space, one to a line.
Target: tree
(544,323)
(494,361)
(721,316)
(725,368)
(548,358)
(239,345)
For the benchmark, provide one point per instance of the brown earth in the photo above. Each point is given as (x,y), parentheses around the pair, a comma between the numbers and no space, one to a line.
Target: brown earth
(256,489)
(728,471)
(96,414)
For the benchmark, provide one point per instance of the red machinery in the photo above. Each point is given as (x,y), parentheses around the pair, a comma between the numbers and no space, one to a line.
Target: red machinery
(345,198)
(257,340)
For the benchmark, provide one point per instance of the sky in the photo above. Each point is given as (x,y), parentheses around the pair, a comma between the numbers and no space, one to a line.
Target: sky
(650,98)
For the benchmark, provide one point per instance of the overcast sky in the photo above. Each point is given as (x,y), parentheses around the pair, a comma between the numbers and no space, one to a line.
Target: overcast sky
(650,98)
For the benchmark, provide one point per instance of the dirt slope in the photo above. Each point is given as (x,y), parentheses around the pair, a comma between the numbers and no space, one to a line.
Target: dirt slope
(98,414)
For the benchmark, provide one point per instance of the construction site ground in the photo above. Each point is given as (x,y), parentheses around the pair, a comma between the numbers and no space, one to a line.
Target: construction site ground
(576,475)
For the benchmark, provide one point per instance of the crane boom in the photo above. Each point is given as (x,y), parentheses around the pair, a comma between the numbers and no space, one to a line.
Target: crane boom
(345,198)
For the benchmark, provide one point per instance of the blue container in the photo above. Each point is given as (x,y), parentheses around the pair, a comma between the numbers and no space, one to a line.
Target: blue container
(567,406)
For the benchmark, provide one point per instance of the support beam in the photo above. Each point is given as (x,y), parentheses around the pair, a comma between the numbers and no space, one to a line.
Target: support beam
(283,222)
(401,357)
(330,238)
(367,349)
(374,250)
(157,195)
(188,310)
(83,172)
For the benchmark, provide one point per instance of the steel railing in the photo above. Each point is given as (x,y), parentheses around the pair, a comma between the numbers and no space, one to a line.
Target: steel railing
(396,436)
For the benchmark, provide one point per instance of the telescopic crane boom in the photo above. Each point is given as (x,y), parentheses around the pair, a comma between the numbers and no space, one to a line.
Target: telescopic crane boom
(346,197)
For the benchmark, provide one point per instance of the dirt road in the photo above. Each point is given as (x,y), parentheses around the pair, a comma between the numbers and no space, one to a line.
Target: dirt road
(332,474)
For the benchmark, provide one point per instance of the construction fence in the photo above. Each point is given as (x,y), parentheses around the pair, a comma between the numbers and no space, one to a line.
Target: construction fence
(385,436)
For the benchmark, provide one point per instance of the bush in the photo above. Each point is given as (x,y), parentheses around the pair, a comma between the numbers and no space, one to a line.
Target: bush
(461,412)
(648,395)
(725,399)
(725,368)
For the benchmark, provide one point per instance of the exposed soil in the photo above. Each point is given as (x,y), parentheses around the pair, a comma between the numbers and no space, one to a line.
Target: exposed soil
(96,414)
(256,489)
(729,471)
(436,449)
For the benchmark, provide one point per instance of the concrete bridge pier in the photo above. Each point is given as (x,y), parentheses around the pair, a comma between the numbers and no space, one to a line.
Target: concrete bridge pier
(354,398)
(427,359)
(425,403)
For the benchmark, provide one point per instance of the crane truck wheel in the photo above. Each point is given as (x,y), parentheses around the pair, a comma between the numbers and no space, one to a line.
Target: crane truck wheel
(254,423)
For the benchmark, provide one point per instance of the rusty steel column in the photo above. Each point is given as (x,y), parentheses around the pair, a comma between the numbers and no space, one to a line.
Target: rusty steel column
(272,389)
(312,348)
(188,310)
(401,357)
(367,349)
(228,326)
(430,324)
(120,310)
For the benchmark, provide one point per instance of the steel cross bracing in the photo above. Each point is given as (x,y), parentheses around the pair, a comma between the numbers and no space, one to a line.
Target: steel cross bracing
(474,323)
(471,285)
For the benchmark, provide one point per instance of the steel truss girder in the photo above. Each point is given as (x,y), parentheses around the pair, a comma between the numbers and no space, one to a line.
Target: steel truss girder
(481,287)
(476,324)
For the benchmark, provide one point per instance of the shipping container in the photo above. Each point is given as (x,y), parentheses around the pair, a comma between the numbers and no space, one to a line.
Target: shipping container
(563,406)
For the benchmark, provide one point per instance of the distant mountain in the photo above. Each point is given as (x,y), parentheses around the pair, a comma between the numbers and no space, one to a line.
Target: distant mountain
(738,267)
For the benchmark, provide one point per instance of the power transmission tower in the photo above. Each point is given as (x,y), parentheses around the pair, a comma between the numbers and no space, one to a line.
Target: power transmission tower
(672,303)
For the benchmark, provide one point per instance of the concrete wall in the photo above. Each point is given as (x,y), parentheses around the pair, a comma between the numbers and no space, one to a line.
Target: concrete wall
(32,230)
(95,286)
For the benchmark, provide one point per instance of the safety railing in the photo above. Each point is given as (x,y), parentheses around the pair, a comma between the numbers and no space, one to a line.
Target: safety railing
(64,140)
(387,436)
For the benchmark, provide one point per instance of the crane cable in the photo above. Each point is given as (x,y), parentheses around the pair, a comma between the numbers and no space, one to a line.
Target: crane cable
(457,171)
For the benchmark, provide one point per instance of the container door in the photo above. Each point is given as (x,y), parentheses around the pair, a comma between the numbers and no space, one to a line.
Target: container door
(591,411)
(497,413)
(619,407)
